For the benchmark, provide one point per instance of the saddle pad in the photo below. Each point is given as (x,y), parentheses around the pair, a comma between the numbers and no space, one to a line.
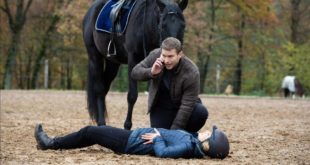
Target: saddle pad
(103,22)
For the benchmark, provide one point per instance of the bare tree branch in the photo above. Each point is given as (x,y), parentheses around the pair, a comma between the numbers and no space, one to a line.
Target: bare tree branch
(233,3)
(24,13)
(218,5)
(27,7)
(3,9)
(8,12)
(304,10)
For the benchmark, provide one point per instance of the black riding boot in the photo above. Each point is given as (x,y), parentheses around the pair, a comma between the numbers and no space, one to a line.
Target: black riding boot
(43,141)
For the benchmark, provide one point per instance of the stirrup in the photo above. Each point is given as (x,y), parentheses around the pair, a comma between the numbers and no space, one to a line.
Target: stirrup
(113,53)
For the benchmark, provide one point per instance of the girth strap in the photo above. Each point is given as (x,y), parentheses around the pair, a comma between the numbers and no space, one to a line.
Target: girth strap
(113,17)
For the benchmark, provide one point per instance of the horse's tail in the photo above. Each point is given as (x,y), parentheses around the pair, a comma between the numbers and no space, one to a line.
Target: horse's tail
(95,88)
(91,98)
(94,99)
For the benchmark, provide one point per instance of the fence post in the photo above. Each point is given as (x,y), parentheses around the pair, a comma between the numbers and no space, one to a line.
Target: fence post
(218,76)
(46,74)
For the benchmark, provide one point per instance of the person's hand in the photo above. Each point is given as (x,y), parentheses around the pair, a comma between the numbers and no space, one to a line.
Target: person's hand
(157,66)
(150,136)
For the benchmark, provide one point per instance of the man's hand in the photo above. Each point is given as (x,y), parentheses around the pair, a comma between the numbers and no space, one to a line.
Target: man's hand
(150,136)
(157,66)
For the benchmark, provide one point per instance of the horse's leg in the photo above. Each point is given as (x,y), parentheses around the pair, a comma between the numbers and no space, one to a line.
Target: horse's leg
(131,96)
(97,85)
(110,73)
(101,86)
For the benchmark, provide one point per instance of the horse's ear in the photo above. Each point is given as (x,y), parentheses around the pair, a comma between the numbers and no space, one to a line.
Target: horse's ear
(161,4)
(183,4)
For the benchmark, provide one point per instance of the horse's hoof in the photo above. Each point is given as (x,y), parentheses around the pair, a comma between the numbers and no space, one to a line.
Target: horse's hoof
(127,125)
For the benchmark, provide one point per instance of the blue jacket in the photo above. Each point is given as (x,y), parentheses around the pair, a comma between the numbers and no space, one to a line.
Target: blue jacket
(171,144)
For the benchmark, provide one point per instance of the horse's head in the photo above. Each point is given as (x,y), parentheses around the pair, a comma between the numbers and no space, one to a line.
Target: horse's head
(299,88)
(171,22)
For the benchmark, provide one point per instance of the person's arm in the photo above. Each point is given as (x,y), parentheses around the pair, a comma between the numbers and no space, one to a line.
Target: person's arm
(163,151)
(143,70)
(188,101)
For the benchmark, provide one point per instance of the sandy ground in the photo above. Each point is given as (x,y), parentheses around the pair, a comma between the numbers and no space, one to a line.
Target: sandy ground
(261,130)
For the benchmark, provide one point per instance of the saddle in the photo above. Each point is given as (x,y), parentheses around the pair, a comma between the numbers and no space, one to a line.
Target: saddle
(116,23)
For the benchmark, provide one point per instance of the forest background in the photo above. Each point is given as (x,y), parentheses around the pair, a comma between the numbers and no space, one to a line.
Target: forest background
(249,44)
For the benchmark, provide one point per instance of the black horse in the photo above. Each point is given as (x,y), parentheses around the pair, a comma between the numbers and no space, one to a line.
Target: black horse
(150,22)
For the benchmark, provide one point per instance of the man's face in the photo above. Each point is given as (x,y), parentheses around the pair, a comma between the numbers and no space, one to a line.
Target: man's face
(171,58)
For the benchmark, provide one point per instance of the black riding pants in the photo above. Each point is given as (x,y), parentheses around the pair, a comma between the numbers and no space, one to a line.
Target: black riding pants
(106,136)
(161,117)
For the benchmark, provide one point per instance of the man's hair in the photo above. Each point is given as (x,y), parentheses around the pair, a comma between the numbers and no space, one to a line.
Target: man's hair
(172,43)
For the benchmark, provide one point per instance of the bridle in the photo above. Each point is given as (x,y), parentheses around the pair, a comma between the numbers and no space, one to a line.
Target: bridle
(160,27)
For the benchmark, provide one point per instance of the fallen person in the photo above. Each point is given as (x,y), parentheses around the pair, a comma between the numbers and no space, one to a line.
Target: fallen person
(142,141)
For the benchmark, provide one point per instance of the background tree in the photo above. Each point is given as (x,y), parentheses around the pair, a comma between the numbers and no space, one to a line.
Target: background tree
(256,43)
(201,35)
(16,12)
(75,58)
(295,51)
(42,50)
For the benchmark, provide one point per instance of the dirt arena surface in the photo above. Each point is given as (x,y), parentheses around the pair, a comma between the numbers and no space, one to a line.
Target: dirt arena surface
(261,130)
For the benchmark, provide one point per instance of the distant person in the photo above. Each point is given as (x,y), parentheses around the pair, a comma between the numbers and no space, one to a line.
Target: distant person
(291,86)
(173,101)
(142,141)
